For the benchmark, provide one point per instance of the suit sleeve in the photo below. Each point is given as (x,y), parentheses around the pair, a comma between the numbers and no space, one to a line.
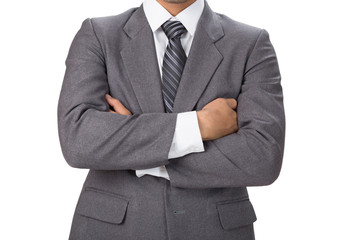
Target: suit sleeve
(253,155)
(90,136)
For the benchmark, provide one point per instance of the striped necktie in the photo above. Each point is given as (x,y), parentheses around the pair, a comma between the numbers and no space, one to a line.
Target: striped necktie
(174,62)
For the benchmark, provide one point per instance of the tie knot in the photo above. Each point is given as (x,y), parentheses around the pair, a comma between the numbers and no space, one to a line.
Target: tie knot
(173,29)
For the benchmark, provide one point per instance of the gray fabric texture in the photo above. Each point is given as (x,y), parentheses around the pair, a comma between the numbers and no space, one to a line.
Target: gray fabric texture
(206,197)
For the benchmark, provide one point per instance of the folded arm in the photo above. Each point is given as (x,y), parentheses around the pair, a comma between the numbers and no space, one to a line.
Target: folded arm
(91,136)
(253,155)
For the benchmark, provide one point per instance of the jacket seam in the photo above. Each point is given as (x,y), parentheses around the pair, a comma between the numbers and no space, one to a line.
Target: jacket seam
(97,38)
(256,41)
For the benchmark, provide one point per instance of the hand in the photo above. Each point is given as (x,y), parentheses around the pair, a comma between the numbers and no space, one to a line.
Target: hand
(218,118)
(117,105)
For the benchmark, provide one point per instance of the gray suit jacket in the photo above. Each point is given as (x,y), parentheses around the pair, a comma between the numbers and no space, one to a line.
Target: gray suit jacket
(206,197)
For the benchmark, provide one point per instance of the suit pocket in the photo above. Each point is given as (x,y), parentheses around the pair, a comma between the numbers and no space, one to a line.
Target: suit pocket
(101,205)
(235,213)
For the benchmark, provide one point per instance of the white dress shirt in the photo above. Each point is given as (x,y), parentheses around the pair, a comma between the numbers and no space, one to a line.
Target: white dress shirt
(187,137)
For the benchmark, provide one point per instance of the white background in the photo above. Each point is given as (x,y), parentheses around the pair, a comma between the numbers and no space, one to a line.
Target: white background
(317,43)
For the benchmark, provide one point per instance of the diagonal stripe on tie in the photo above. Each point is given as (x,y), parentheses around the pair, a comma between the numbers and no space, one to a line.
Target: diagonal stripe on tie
(175,70)
(170,81)
(168,89)
(178,59)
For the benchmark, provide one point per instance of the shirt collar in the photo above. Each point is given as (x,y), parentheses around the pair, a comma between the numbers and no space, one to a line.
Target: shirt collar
(157,15)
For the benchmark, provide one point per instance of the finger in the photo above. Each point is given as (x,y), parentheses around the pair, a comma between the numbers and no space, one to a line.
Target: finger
(117,105)
(232,103)
(110,100)
(119,108)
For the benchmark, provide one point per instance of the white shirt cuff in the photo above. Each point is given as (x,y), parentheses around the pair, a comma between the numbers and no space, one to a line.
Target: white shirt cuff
(157,171)
(187,136)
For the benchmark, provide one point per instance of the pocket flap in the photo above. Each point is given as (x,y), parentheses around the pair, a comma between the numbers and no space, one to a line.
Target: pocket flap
(101,205)
(235,213)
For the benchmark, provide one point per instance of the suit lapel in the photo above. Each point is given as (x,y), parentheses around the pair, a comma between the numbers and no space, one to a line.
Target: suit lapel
(140,61)
(139,57)
(203,60)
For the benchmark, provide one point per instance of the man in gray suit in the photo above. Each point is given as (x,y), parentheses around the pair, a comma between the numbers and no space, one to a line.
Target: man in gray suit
(175,110)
